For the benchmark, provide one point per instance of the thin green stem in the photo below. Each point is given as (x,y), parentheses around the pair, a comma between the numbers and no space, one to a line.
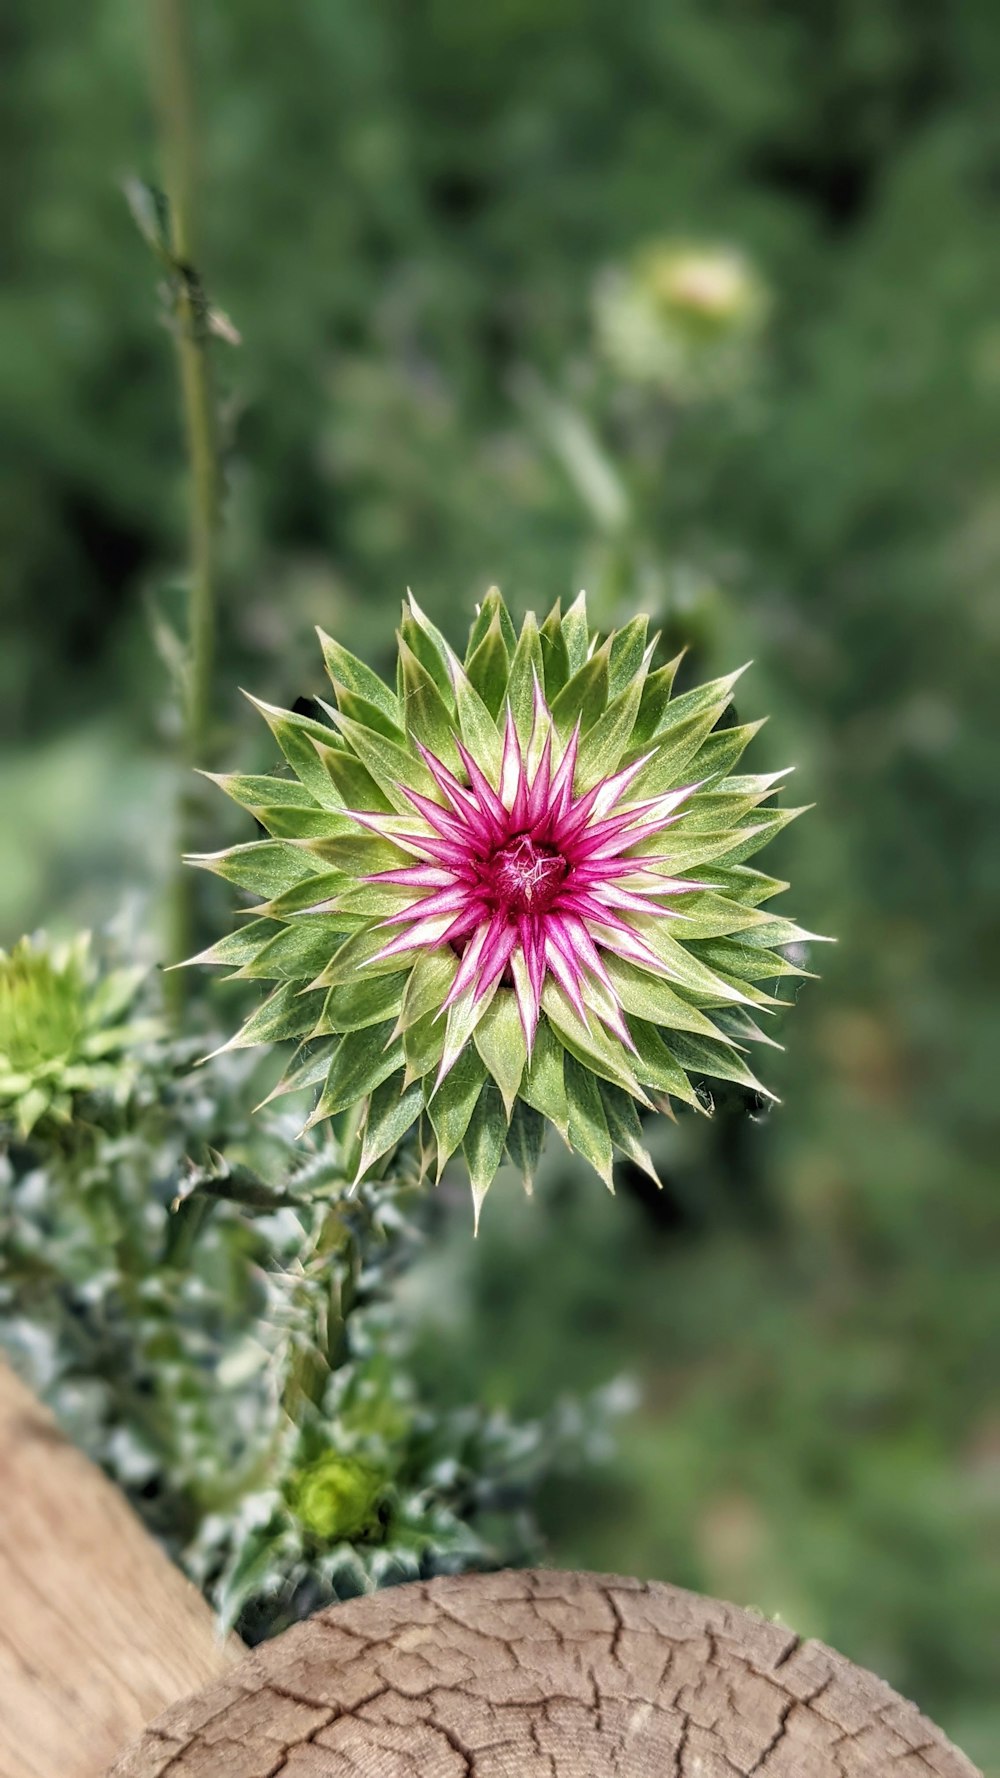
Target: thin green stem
(173,86)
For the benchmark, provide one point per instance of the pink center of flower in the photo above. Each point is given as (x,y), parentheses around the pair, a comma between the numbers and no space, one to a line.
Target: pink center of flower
(524,877)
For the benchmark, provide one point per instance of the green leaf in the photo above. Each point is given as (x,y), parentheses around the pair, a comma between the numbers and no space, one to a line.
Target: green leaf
(347,670)
(429,985)
(525,1141)
(698,1055)
(423,1044)
(543,1084)
(479,731)
(358,952)
(298,952)
(603,746)
(576,635)
(368,714)
(297,736)
(628,646)
(361,1062)
(427,716)
(255,790)
(483,1144)
(706,914)
(590,1045)
(264,867)
(284,1014)
(239,947)
(676,748)
(713,694)
(284,823)
(685,966)
(650,997)
(588,1126)
(730,801)
(499,1038)
(555,658)
(745,884)
(655,698)
(748,963)
(625,1129)
(723,749)
(356,854)
(428,644)
(363,1000)
(389,765)
(488,667)
(492,607)
(351,782)
(452,1105)
(525,668)
(658,1068)
(585,695)
(311,892)
(392,1110)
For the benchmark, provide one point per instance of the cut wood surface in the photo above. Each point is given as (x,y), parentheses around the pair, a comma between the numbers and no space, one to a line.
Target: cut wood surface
(99,1632)
(543,1675)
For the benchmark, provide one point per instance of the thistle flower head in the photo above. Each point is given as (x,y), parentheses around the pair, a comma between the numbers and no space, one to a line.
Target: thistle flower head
(65,1031)
(684,316)
(511,891)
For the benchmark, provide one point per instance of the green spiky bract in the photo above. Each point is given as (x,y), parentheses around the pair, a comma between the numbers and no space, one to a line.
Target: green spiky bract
(390,1010)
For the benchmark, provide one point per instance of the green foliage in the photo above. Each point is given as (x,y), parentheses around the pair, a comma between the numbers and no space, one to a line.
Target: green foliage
(69,1042)
(209,1310)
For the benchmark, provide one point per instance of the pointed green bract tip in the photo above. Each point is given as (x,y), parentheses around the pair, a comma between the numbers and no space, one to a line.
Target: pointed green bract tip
(509,892)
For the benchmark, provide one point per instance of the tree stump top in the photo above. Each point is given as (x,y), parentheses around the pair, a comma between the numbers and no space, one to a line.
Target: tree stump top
(543,1675)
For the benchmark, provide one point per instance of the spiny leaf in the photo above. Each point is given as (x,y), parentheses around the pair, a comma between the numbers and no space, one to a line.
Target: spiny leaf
(526,670)
(585,695)
(484,1141)
(364,1000)
(287,1013)
(492,607)
(361,1062)
(428,986)
(625,1129)
(488,667)
(427,716)
(427,643)
(555,657)
(543,1083)
(576,634)
(392,1110)
(297,736)
(388,764)
(347,670)
(500,1041)
(525,1141)
(264,867)
(350,781)
(628,647)
(452,1105)
(588,1126)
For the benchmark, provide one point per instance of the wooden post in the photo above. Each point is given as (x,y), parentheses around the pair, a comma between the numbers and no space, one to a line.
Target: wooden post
(99,1631)
(543,1675)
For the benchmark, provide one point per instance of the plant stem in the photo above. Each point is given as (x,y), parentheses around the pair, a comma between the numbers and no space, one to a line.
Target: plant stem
(173,86)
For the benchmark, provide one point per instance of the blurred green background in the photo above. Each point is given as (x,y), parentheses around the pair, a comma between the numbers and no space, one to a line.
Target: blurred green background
(406,210)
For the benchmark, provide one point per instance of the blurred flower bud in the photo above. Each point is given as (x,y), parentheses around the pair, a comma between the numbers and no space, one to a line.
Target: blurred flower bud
(684,317)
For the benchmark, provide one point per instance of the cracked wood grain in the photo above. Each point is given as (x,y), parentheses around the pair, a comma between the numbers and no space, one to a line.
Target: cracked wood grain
(99,1630)
(543,1675)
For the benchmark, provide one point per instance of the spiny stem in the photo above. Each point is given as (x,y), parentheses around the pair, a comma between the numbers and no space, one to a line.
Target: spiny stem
(173,86)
